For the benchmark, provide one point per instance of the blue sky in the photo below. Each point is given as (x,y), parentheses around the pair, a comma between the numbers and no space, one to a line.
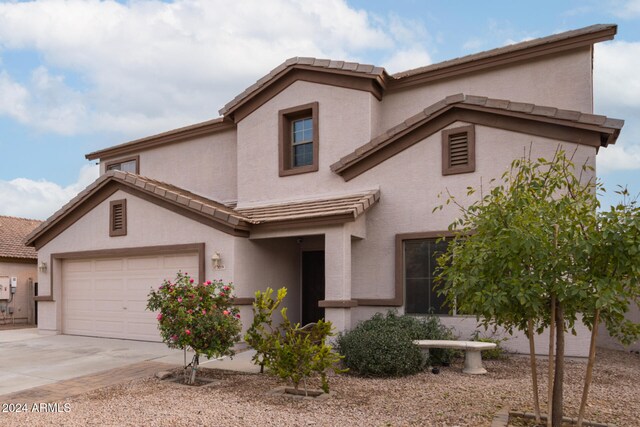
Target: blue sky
(78,76)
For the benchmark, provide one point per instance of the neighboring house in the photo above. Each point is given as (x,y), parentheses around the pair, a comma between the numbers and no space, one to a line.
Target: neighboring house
(18,270)
(321,177)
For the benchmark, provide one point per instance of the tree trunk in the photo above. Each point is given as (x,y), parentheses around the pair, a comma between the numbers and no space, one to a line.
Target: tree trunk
(534,372)
(194,368)
(558,380)
(592,361)
(552,324)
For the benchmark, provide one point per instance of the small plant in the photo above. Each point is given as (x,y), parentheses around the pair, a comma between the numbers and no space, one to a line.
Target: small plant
(261,334)
(199,316)
(290,351)
(383,345)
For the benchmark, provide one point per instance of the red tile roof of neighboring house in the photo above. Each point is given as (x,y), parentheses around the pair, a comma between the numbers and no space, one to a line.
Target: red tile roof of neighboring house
(12,233)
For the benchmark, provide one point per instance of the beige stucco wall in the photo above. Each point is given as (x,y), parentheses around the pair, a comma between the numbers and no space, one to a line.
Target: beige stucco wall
(22,302)
(410,183)
(205,165)
(561,81)
(344,125)
(147,225)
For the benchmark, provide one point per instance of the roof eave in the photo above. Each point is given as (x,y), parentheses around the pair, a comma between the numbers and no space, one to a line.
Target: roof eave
(474,64)
(175,135)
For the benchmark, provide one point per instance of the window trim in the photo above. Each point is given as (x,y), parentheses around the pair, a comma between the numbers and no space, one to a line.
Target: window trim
(122,231)
(110,163)
(285,146)
(400,278)
(471,143)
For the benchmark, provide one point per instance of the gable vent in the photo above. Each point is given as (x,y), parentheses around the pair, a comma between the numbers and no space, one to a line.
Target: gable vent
(118,218)
(458,149)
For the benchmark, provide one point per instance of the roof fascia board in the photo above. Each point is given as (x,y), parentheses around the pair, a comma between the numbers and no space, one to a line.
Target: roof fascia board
(505,58)
(578,133)
(109,187)
(177,135)
(357,81)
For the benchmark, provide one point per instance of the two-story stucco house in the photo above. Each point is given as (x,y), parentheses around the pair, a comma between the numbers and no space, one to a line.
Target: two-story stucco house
(321,177)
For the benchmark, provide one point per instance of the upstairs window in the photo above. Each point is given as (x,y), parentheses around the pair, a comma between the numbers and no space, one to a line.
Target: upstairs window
(118,218)
(131,165)
(298,134)
(458,150)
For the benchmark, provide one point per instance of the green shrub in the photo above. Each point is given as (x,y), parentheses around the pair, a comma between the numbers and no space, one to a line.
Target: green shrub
(290,351)
(382,345)
(497,353)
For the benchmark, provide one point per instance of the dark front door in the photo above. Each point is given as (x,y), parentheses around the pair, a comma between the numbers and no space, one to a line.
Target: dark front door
(312,286)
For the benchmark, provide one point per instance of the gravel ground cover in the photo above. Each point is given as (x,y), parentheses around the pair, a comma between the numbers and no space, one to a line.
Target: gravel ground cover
(448,399)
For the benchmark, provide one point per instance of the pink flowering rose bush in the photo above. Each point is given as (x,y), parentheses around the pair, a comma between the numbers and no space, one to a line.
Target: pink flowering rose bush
(197,316)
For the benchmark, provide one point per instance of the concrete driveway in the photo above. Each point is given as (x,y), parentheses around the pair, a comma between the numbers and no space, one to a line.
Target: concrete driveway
(31,360)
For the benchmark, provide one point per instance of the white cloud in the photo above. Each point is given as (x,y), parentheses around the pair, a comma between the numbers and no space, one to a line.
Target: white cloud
(407,59)
(617,94)
(146,66)
(618,157)
(13,99)
(473,44)
(24,197)
(626,9)
(616,76)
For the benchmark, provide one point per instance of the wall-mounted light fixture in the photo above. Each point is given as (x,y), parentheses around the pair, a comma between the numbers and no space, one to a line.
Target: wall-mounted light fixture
(216,259)
(42,267)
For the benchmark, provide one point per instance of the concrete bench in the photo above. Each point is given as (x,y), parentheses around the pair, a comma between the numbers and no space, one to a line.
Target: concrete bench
(472,356)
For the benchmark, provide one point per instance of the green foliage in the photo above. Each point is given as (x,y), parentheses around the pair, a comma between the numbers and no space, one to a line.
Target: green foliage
(382,345)
(536,237)
(261,334)
(536,234)
(199,316)
(290,351)
(497,353)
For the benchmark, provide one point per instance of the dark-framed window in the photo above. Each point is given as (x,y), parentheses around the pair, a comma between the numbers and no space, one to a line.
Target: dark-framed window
(118,218)
(298,139)
(459,150)
(129,164)
(416,255)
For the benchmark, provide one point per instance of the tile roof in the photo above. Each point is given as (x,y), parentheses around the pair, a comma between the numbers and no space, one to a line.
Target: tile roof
(238,219)
(191,131)
(542,41)
(611,127)
(12,233)
(352,205)
(327,65)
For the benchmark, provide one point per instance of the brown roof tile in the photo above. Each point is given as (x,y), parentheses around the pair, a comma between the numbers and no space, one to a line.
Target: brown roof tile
(507,49)
(352,205)
(12,234)
(460,100)
(322,64)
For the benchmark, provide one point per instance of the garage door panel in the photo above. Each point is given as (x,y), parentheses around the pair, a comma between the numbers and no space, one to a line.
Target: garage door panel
(181,262)
(78,265)
(143,263)
(109,265)
(108,297)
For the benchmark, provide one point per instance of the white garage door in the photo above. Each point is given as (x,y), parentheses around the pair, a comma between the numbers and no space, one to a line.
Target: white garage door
(107,297)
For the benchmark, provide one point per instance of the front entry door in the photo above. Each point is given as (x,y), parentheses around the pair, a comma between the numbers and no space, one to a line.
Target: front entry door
(312,286)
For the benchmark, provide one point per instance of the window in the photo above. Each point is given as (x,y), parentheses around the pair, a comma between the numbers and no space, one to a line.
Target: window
(131,165)
(298,135)
(418,268)
(458,150)
(118,218)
